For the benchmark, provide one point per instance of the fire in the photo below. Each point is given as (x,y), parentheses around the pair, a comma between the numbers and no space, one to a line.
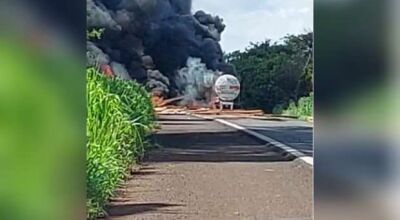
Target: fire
(106,69)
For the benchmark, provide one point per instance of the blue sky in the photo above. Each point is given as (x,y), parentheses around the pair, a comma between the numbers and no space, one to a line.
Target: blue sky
(257,20)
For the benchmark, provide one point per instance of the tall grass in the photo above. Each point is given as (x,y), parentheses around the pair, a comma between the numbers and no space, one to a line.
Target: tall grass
(120,116)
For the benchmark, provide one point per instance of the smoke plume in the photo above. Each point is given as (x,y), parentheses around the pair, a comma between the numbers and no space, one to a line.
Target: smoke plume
(152,41)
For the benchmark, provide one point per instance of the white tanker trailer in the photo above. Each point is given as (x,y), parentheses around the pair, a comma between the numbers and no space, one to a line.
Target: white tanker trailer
(227,88)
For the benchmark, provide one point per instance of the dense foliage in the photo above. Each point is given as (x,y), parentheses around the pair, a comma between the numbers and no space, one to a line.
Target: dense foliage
(274,75)
(120,116)
(303,108)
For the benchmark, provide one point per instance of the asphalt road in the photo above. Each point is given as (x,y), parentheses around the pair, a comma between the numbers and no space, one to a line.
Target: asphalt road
(294,133)
(207,171)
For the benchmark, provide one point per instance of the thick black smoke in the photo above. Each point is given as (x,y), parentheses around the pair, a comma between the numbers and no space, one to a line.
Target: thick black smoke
(152,39)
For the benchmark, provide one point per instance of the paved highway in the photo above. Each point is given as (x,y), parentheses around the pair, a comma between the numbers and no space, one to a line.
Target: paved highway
(206,170)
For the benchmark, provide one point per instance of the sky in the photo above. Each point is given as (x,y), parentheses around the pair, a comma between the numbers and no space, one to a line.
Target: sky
(257,20)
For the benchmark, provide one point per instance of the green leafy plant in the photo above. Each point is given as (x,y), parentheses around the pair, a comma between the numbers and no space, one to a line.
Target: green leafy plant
(120,117)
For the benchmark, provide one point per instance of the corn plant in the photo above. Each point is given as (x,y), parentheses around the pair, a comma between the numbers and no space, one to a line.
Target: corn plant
(120,116)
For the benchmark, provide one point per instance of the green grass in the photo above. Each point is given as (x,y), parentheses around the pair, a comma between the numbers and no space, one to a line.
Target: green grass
(120,116)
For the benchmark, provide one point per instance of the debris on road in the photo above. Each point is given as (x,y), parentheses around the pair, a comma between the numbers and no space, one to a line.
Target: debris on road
(158,101)
(182,110)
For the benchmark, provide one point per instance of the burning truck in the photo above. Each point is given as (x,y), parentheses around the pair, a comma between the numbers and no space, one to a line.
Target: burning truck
(161,44)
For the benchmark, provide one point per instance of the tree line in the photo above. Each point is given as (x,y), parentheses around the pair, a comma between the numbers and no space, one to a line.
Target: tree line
(274,75)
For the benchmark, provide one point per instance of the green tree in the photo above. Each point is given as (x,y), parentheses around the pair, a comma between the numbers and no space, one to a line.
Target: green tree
(274,74)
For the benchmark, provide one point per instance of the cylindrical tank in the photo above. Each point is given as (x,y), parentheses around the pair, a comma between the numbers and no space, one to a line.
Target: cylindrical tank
(227,88)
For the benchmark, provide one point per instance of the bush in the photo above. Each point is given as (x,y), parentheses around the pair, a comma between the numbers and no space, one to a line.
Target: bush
(291,109)
(304,107)
(120,116)
(278,109)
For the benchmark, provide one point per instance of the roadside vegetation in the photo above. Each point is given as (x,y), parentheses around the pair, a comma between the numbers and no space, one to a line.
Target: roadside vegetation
(120,117)
(303,109)
(277,77)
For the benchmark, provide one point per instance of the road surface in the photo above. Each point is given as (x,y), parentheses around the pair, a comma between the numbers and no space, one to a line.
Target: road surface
(207,171)
(294,133)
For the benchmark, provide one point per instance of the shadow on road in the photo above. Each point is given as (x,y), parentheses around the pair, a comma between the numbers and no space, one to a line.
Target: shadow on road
(170,119)
(188,139)
(226,146)
(137,208)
